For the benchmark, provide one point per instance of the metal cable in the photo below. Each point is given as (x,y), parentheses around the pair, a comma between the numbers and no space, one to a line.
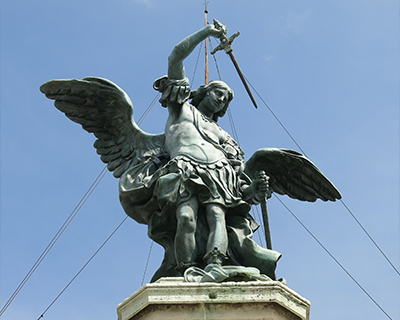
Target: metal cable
(347,208)
(260,230)
(55,238)
(152,104)
(276,118)
(236,138)
(197,62)
(340,200)
(215,61)
(147,111)
(232,123)
(330,254)
(139,122)
(369,236)
(115,230)
(147,262)
(233,127)
(76,275)
(40,259)
(66,224)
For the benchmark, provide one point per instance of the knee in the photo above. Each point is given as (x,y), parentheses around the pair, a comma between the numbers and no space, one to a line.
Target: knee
(186,221)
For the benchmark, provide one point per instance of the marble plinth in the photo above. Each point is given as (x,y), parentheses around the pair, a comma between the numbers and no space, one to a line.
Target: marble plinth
(172,298)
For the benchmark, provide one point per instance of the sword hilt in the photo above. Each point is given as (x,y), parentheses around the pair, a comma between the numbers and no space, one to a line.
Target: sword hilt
(226,43)
(263,195)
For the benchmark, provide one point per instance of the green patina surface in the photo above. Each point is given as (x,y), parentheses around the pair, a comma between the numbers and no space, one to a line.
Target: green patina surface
(191,184)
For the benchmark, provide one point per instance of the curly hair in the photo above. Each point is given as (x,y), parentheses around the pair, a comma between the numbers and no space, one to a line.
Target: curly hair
(198,95)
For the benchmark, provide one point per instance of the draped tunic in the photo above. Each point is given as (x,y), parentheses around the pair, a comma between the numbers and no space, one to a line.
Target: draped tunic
(151,191)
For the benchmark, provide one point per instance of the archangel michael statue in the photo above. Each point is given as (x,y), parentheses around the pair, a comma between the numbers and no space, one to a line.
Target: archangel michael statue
(190,184)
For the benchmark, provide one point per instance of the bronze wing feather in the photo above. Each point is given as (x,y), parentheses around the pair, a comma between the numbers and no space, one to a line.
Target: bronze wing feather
(104,109)
(291,173)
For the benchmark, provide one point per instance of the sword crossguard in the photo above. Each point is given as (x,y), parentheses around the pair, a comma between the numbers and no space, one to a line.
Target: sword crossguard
(226,43)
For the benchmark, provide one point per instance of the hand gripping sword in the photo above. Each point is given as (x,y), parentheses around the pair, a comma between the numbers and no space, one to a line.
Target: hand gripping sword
(226,45)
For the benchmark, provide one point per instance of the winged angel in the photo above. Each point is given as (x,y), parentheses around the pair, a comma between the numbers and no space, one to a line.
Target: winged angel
(190,184)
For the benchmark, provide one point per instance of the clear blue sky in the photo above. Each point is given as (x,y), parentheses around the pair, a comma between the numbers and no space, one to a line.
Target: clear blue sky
(328,69)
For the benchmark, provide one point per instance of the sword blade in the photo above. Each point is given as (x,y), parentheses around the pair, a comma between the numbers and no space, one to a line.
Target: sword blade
(242,78)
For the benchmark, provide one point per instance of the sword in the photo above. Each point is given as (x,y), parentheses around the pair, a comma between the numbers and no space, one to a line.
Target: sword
(263,202)
(226,45)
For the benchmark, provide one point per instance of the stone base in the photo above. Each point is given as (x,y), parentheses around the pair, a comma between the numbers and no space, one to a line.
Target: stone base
(174,299)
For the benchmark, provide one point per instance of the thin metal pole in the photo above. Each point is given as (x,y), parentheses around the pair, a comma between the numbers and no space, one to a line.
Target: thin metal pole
(206,44)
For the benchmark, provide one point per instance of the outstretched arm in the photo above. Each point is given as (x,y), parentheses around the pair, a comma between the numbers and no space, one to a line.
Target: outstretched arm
(176,70)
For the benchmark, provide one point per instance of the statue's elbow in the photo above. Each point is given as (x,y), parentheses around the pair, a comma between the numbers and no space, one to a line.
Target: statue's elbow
(171,59)
(177,54)
(172,54)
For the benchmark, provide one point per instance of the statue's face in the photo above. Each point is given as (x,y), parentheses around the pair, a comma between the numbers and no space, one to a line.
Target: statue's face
(216,99)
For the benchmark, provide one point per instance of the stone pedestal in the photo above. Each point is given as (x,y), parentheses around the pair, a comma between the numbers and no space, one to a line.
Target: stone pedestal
(174,299)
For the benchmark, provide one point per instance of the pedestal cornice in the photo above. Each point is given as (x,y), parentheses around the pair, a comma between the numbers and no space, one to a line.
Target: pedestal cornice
(213,298)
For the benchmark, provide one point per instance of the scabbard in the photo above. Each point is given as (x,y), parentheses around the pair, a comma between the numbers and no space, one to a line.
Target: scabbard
(267,231)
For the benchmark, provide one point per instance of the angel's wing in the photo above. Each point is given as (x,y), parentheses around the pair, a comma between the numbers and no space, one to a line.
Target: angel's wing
(291,173)
(104,109)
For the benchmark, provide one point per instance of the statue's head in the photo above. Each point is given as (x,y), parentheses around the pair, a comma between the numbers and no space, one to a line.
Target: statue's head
(210,88)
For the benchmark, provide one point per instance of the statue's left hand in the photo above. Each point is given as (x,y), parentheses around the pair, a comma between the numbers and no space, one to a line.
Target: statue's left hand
(258,188)
(261,184)
(292,174)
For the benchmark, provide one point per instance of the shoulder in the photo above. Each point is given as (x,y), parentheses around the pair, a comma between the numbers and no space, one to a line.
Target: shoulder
(173,91)
(182,112)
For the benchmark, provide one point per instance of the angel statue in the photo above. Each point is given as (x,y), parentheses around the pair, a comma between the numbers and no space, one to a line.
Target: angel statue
(190,184)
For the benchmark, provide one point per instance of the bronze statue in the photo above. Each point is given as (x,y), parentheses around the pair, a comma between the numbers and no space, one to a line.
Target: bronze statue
(190,185)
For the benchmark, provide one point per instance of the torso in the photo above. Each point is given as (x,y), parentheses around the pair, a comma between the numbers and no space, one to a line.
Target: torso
(184,138)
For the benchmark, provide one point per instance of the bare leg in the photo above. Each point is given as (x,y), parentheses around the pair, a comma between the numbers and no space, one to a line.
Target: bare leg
(185,241)
(218,237)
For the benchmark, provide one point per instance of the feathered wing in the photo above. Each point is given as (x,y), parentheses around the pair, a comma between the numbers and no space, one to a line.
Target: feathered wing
(104,109)
(291,173)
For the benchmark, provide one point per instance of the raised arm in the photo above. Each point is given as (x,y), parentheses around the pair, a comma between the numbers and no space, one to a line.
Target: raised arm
(176,70)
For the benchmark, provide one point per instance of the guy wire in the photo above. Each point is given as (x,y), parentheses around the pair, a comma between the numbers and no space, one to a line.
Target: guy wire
(147,262)
(254,209)
(146,112)
(276,118)
(331,255)
(296,216)
(55,238)
(152,104)
(115,230)
(66,224)
(235,133)
(369,236)
(341,200)
(197,62)
(69,283)
(232,123)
